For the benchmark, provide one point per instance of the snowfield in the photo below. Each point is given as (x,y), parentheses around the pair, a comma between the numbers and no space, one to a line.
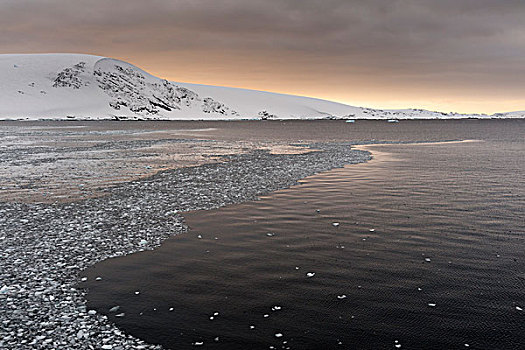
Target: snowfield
(75,86)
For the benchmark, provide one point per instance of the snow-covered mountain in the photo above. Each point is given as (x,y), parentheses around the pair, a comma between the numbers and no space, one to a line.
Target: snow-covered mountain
(74,86)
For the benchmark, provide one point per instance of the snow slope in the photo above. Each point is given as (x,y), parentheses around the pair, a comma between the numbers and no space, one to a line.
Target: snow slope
(74,86)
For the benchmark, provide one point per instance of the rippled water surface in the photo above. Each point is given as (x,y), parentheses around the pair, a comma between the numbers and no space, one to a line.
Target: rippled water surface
(428,253)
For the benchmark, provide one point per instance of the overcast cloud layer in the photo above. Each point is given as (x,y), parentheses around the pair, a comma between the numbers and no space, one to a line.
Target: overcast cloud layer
(464,55)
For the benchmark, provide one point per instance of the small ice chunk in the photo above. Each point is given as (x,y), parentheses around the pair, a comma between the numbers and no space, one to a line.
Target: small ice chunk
(215,313)
(297,267)
(519,308)
(335,224)
(199,236)
(252,327)
(216,339)
(211,318)
(171,309)
(431,304)
(98,278)
(122,314)
(342,296)
(137,292)
(427,259)
(310,274)
(198,343)
(107,347)
(372,230)
(143,242)
(278,335)
(276,308)
(266,315)
(84,279)
(114,309)
(270,234)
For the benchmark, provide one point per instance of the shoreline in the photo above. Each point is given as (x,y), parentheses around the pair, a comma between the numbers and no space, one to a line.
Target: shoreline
(46,246)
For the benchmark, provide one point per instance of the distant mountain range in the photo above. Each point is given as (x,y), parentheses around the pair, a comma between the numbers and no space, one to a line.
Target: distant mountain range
(75,86)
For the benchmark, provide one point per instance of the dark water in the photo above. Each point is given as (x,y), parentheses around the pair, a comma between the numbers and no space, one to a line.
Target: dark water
(443,268)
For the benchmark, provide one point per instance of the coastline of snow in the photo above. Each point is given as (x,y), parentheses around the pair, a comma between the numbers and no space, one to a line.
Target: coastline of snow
(87,87)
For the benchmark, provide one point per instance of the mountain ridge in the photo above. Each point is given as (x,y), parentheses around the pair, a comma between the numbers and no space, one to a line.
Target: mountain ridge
(77,86)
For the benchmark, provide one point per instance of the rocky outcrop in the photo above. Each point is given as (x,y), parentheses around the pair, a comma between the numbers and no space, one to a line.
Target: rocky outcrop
(70,77)
(144,95)
(131,89)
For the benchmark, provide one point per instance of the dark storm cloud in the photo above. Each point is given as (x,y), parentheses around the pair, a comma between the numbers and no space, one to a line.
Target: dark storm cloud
(437,41)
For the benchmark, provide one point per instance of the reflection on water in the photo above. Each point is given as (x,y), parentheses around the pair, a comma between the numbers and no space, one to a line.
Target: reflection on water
(427,254)
(50,161)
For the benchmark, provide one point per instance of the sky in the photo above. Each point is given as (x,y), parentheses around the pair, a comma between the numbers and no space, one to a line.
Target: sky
(447,55)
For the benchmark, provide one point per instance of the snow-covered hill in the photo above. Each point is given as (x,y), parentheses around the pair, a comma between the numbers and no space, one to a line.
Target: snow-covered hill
(74,86)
